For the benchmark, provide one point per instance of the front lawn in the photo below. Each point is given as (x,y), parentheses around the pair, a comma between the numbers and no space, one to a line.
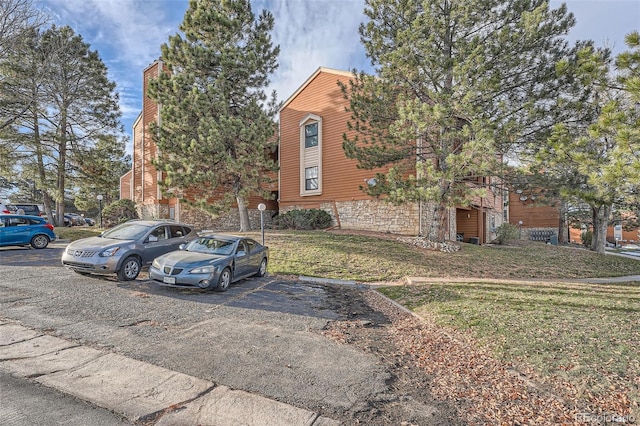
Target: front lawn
(581,340)
(371,258)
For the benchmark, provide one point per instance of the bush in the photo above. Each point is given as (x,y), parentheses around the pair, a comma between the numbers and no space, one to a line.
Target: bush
(303,219)
(506,233)
(118,212)
(587,238)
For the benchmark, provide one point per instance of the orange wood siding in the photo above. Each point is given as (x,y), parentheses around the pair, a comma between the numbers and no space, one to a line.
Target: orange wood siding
(138,156)
(340,176)
(467,223)
(532,215)
(149,115)
(125,185)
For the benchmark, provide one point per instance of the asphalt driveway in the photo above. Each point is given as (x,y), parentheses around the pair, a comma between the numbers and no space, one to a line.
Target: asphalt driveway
(265,336)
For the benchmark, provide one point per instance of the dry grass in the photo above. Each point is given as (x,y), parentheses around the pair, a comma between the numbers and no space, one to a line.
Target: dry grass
(579,339)
(369,258)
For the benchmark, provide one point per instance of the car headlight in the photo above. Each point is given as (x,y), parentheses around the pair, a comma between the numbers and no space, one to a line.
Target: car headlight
(109,252)
(155,264)
(203,270)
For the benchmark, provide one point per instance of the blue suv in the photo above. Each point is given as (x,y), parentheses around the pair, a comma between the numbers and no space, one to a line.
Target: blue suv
(23,230)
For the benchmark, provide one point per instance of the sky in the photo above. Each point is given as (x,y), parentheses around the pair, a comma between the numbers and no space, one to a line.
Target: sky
(311,33)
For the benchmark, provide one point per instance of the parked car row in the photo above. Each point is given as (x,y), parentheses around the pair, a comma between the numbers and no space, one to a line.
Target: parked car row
(24,209)
(70,219)
(175,254)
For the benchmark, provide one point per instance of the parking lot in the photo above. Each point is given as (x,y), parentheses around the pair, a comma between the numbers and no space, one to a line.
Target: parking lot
(263,335)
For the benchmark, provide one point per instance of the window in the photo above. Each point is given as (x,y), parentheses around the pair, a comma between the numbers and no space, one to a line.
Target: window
(311,135)
(176,231)
(311,178)
(159,233)
(310,155)
(242,249)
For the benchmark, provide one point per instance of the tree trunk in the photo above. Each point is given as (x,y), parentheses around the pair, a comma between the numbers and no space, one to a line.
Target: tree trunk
(563,237)
(438,228)
(245,225)
(600,224)
(62,165)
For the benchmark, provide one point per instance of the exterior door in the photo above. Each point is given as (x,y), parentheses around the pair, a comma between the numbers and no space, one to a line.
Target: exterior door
(156,244)
(242,260)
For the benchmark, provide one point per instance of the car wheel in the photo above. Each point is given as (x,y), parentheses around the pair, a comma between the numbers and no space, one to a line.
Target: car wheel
(39,241)
(263,268)
(130,269)
(224,280)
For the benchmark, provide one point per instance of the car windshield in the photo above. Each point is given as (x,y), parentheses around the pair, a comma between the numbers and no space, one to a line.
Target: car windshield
(127,231)
(210,245)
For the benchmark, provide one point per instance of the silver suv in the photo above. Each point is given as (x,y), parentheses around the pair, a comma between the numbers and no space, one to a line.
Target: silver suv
(128,247)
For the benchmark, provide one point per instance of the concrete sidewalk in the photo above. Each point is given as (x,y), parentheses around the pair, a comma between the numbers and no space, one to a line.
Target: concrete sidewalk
(138,391)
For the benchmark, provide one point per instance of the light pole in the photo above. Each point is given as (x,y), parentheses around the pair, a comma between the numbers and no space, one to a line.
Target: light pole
(262,208)
(99,197)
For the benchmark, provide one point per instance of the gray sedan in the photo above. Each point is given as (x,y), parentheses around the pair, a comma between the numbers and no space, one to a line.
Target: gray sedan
(127,248)
(211,263)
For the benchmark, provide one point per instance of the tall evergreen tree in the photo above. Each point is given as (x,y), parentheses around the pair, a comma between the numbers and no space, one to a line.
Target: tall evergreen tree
(18,21)
(216,127)
(70,105)
(456,84)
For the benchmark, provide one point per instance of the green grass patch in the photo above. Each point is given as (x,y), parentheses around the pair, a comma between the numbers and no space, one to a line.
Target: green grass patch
(76,232)
(586,334)
(370,259)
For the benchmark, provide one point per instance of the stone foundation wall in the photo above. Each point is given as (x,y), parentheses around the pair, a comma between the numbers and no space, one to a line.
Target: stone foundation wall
(226,222)
(205,221)
(378,216)
(152,211)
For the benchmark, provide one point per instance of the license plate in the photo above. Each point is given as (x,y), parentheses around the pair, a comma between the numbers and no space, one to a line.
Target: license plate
(169,280)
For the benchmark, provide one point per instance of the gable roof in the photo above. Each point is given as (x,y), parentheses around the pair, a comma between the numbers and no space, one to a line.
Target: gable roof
(310,79)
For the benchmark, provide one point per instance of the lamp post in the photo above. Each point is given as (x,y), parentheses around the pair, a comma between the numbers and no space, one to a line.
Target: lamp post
(99,197)
(262,208)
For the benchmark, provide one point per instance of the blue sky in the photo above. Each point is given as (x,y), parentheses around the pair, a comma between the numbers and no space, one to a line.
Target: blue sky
(311,33)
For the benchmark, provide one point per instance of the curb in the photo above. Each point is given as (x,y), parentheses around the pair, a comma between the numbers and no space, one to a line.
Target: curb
(138,390)
(327,281)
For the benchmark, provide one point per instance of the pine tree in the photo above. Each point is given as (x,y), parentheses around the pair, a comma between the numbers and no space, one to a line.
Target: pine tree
(216,127)
(593,157)
(456,84)
(19,19)
(70,105)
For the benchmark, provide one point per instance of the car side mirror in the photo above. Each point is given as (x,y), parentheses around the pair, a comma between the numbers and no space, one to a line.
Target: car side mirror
(241,253)
(182,246)
(153,239)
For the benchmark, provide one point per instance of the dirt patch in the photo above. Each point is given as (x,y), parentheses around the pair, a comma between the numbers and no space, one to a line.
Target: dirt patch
(438,376)
(408,400)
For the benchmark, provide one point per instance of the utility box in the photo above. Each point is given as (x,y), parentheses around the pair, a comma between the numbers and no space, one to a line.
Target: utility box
(474,240)
(553,239)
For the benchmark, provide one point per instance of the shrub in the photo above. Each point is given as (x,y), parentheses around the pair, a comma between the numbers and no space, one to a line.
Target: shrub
(587,238)
(118,212)
(303,219)
(506,233)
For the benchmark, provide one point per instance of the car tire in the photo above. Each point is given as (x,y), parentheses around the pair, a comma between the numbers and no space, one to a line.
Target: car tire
(224,281)
(39,241)
(262,270)
(130,269)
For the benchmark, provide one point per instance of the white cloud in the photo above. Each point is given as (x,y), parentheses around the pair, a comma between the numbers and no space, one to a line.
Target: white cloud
(312,34)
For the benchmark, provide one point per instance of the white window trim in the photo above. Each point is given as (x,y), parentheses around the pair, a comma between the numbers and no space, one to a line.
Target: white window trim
(305,161)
